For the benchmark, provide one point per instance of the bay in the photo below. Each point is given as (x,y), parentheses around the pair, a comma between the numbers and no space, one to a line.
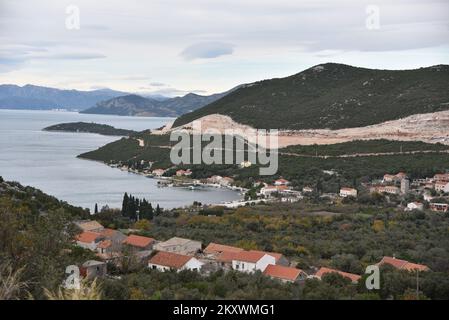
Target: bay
(47,161)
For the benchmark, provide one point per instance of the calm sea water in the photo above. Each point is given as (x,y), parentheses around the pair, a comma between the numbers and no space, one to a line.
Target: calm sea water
(47,161)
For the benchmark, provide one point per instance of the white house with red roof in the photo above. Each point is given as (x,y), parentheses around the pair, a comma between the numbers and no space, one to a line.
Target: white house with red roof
(442,186)
(89,240)
(182,172)
(284,274)
(139,242)
(439,207)
(322,271)
(251,261)
(348,192)
(166,261)
(281,182)
(402,264)
(441,177)
(158,172)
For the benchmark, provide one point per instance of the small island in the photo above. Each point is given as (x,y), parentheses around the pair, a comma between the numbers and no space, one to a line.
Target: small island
(86,127)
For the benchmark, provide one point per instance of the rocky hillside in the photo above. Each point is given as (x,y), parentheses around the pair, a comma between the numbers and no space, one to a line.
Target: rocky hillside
(333,96)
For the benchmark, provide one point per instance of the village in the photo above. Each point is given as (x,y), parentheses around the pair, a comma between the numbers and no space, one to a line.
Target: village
(176,254)
(426,189)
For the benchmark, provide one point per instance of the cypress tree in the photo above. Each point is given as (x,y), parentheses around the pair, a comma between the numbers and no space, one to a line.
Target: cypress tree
(125,205)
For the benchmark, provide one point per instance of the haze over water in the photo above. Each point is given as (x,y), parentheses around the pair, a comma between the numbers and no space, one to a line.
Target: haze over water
(47,161)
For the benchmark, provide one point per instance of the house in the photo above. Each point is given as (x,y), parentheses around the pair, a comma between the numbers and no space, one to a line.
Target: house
(116,237)
(441,177)
(353,277)
(429,185)
(279,258)
(250,261)
(385,189)
(92,269)
(139,243)
(179,245)
(281,182)
(89,240)
(220,255)
(216,249)
(439,207)
(158,172)
(270,190)
(348,192)
(307,189)
(400,176)
(181,172)
(89,225)
(166,261)
(389,178)
(104,248)
(442,186)
(285,274)
(415,206)
(394,178)
(402,264)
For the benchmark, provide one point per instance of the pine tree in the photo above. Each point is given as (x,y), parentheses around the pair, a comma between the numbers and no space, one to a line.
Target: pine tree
(158,210)
(96,209)
(125,205)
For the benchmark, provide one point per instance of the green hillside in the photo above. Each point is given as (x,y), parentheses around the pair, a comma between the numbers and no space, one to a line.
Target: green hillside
(303,165)
(333,96)
(86,127)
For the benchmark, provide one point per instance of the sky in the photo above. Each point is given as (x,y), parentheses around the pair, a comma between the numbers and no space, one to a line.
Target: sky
(173,47)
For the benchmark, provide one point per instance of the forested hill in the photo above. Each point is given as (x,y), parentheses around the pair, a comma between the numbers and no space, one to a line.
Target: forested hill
(333,96)
(35,201)
(103,129)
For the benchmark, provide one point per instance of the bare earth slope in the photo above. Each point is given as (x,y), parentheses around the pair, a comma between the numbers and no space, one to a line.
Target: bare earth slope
(429,127)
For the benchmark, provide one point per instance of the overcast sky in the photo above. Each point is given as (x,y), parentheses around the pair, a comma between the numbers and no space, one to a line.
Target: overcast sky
(207,46)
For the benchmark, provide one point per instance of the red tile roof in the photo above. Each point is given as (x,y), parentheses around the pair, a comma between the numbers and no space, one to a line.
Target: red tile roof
(275,255)
(138,241)
(108,232)
(105,244)
(87,236)
(169,259)
(351,276)
(249,256)
(281,272)
(214,248)
(403,264)
(227,256)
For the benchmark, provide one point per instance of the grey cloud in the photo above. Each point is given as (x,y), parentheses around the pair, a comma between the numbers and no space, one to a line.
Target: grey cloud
(207,50)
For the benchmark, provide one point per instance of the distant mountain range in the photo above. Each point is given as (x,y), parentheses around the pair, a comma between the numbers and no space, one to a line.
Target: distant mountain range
(333,96)
(135,105)
(104,101)
(36,97)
